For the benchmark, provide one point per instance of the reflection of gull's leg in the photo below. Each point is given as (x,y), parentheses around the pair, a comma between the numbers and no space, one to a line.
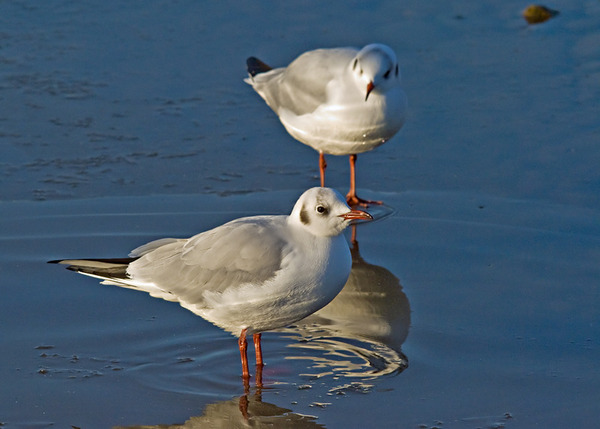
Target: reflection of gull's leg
(243,348)
(354,242)
(243,405)
(322,167)
(351,198)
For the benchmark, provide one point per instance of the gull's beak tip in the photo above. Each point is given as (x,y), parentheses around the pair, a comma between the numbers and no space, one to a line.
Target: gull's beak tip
(370,87)
(357,215)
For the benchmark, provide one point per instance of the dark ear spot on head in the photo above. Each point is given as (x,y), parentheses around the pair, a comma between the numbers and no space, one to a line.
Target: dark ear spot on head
(304,218)
(355,62)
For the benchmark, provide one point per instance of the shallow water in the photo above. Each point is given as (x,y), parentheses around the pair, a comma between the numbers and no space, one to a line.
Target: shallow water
(473,298)
(473,311)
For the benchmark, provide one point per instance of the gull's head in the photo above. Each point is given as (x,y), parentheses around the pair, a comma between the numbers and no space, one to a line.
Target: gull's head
(324,213)
(375,69)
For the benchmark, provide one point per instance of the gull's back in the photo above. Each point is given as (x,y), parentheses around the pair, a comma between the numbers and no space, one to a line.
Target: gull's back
(301,87)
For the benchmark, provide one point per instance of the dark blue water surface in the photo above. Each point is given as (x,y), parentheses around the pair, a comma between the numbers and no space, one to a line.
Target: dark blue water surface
(473,299)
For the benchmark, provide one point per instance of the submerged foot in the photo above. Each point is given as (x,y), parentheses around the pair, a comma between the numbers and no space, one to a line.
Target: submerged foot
(354,201)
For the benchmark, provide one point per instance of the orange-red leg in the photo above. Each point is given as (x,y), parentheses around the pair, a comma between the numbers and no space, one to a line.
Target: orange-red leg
(322,167)
(243,353)
(351,198)
(259,371)
(258,349)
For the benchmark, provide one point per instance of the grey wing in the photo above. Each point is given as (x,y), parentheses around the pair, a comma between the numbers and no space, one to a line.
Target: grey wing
(301,87)
(148,247)
(240,252)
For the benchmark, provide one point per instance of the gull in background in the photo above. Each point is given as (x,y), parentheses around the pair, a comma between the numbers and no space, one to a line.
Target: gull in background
(341,101)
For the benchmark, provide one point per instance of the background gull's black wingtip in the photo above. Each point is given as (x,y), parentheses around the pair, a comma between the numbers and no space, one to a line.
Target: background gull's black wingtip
(256,66)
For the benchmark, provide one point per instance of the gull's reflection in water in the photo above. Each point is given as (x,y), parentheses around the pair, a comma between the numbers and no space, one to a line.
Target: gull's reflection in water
(244,412)
(248,410)
(359,333)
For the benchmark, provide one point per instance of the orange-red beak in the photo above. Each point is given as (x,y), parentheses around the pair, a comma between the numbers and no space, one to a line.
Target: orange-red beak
(370,88)
(357,215)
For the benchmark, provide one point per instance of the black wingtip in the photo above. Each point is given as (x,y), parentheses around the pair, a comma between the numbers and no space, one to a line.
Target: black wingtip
(113,268)
(105,260)
(256,66)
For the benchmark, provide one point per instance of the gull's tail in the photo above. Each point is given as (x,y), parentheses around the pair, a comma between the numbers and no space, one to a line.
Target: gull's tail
(113,271)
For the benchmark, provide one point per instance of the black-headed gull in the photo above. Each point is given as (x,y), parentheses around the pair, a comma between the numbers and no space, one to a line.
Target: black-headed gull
(341,101)
(249,275)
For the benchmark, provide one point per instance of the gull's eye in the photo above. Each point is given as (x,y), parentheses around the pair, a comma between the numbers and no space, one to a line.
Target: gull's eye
(355,63)
(321,209)
(387,74)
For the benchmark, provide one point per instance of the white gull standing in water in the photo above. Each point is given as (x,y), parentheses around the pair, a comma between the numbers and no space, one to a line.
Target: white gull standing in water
(341,101)
(249,275)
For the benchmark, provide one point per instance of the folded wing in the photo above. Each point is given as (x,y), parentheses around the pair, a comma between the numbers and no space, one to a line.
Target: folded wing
(242,252)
